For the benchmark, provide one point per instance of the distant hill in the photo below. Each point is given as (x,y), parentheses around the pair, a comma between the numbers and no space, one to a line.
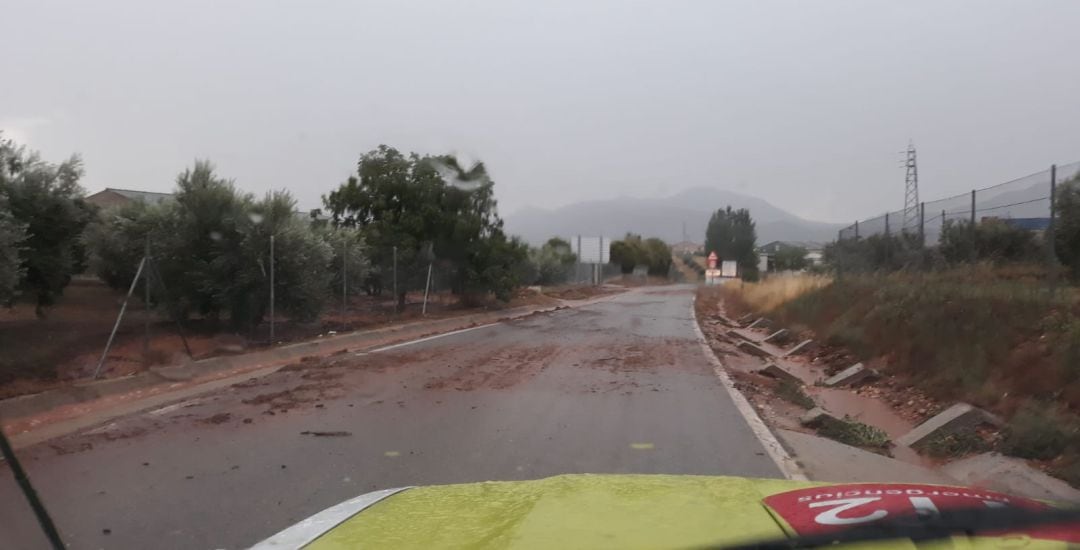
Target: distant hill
(663,218)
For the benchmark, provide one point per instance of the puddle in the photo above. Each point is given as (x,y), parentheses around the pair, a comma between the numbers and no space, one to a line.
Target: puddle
(842,402)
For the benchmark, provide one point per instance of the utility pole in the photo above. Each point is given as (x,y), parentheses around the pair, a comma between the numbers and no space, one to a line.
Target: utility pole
(395,279)
(912,221)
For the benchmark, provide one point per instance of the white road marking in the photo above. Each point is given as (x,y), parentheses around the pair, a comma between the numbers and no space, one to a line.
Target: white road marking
(175,406)
(776,451)
(443,335)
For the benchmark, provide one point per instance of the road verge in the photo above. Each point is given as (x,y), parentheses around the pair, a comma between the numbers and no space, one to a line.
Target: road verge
(776,451)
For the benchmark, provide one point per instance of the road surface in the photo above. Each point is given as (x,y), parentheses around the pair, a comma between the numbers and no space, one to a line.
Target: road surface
(618,386)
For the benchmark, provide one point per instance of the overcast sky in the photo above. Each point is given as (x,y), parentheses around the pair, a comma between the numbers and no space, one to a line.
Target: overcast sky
(804,104)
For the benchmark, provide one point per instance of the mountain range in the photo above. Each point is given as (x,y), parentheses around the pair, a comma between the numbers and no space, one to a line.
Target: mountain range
(663,218)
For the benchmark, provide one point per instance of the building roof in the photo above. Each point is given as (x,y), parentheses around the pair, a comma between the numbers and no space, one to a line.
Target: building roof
(808,245)
(1030,224)
(687,245)
(149,197)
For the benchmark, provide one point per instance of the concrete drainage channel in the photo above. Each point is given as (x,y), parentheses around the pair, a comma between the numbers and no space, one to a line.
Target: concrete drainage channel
(835,445)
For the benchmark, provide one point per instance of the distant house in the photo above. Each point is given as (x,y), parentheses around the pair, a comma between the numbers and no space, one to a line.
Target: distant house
(815,251)
(687,247)
(110,198)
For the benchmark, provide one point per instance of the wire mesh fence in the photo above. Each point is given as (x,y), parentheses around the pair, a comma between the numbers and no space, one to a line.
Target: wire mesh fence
(1024,202)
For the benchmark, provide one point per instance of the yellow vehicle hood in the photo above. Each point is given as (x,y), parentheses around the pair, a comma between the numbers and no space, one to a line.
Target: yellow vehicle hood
(586,511)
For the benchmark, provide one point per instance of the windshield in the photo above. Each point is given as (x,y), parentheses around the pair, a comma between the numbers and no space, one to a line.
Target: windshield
(258,260)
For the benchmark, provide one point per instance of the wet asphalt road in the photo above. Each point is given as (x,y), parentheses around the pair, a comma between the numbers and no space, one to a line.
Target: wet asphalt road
(619,386)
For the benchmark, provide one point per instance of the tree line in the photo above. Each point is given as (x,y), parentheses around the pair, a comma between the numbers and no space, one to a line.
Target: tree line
(398,215)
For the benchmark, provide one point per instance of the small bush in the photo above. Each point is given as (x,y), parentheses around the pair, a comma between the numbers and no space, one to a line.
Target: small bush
(955,445)
(1039,431)
(854,433)
(793,393)
(1068,469)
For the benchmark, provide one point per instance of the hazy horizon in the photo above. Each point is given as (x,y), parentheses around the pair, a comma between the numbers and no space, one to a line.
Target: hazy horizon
(806,106)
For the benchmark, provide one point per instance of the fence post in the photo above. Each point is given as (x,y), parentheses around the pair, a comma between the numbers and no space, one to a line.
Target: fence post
(1049,236)
(271,290)
(427,287)
(577,270)
(344,278)
(146,307)
(922,224)
(123,308)
(599,257)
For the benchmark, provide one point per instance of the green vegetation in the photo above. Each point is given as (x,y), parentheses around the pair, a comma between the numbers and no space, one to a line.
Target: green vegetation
(990,241)
(12,236)
(793,393)
(425,210)
(790,258)
(732,235)
(1067,225)
(1039,430)
(42,216)
(992,336)
(854,433)
(211,245)
(881,253)
(551,263)
(967,334)
(632,251)
(955,445)
(688,259)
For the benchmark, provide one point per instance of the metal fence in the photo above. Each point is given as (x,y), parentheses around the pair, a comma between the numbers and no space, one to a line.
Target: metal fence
(1027,198)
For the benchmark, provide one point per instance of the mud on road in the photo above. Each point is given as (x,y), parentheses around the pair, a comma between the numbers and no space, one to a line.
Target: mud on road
(616,386)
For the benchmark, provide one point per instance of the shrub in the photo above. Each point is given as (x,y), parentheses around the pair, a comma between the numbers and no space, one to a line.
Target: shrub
(211,245)
(955,445)
(794,394)
(632,251)
(992,241)
(854,433)
(1039,431)
(46,200)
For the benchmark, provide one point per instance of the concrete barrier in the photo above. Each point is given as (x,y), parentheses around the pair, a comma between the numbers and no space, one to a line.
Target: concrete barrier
(737,336)
(801,347)
(753,349)
(817,417)
(772,370)
(957,418)
(778,336)
(855,374)
(761,323)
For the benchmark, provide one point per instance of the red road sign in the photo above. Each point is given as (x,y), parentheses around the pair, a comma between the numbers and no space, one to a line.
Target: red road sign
(712,260)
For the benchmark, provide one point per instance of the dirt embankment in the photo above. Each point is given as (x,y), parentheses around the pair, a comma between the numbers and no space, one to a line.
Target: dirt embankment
(1008,345)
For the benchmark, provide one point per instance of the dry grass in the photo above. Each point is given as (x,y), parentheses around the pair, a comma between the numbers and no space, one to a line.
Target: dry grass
(777,290)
